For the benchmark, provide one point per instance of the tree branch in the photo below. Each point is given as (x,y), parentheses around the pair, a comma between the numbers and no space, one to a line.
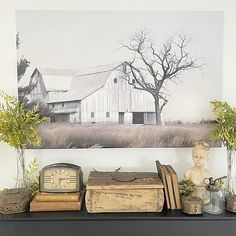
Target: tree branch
(161,65)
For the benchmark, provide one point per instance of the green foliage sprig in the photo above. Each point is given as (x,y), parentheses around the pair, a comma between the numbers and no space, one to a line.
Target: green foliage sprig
(225,128)
(220,184)
(186,188)
(18,126)
(32,176)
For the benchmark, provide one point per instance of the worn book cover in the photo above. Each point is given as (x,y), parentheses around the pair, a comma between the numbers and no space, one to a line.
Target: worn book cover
(175,185)
(170,188)
(163,178)
(57,197)
(56,206)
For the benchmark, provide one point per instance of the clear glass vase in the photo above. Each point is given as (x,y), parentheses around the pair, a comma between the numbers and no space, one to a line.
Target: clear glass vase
(20,175)
(231,173)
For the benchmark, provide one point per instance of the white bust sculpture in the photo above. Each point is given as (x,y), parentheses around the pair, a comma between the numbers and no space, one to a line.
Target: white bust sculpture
(198,172)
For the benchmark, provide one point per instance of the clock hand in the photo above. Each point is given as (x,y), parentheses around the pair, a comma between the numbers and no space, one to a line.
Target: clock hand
(60,179)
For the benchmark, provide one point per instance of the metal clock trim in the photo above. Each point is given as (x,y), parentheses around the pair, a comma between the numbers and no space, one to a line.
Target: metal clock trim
(79,178)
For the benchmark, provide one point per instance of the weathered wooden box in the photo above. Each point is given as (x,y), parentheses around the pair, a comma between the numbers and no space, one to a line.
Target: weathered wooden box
(124,192)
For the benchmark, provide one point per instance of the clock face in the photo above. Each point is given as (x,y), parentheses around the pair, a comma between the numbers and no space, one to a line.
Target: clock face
(60,179)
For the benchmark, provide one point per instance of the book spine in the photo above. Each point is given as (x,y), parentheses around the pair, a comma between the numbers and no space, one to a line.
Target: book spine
(170,188)
(44,198)
(58,206)
(175,185)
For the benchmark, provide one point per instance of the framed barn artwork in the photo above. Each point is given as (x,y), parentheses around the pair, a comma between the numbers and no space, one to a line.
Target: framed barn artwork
(121,79)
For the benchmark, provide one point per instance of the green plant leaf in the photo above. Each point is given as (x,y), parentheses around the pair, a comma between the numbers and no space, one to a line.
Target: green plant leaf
(225,128)
(18,126)
(186,188)
(32,177)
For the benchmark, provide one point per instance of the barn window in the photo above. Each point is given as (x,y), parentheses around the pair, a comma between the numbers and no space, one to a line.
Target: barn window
(115,81)
(107,114)
(133,81)
(92,114)
(62,104)
(53,105)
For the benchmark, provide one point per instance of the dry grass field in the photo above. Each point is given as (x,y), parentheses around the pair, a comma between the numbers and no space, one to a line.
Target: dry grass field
(64,135)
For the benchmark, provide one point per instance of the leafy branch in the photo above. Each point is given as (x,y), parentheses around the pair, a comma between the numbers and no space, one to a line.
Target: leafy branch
(225,128)
(32,177)
(186,188)
(18,126)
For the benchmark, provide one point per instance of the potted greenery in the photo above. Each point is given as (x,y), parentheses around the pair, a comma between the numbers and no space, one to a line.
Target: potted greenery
(190,205)
(225,131)
(18,128)
(186,188)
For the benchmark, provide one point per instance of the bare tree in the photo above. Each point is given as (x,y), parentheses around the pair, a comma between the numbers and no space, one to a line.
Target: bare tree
(151,68)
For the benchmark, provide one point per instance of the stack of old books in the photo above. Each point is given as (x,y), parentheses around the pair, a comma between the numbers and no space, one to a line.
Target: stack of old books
(56,202)
(171,185)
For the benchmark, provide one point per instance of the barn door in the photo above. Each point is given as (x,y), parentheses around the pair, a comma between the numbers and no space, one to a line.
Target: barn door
(138,118)
(121,117)
(62,118)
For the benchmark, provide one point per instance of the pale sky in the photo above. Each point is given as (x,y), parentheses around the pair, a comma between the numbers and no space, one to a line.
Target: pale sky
(80,39)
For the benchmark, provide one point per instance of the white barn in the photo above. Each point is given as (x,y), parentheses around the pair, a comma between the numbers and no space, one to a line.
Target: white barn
(96,95)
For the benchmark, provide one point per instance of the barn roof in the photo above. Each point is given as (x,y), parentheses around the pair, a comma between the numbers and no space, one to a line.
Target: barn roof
(56,79)
(57,72)
(86,82)
(98,69)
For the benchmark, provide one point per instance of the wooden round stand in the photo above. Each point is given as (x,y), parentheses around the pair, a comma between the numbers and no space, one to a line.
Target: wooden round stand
(230,203)
(192,205)
(15,200)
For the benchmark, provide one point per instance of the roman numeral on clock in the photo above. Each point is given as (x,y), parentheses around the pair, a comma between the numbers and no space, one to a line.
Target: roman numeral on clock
(73,179)
(47,179)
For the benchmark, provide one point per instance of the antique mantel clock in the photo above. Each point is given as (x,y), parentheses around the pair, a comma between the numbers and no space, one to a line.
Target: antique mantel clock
(61,177)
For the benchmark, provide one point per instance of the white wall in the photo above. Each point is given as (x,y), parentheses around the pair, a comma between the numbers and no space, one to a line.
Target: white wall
(110,159)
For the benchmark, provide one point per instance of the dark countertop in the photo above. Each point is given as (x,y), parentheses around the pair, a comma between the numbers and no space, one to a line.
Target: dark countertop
(176,215)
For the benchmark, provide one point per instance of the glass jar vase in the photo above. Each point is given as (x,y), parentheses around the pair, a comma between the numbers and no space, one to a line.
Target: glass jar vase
(230,192)
(216,204)
(231,171)
(20,174)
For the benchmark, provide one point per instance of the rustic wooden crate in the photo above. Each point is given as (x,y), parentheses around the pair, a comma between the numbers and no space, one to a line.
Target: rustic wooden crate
(124,192)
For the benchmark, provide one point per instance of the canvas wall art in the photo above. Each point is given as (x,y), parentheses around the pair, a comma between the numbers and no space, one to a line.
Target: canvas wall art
(121,79)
